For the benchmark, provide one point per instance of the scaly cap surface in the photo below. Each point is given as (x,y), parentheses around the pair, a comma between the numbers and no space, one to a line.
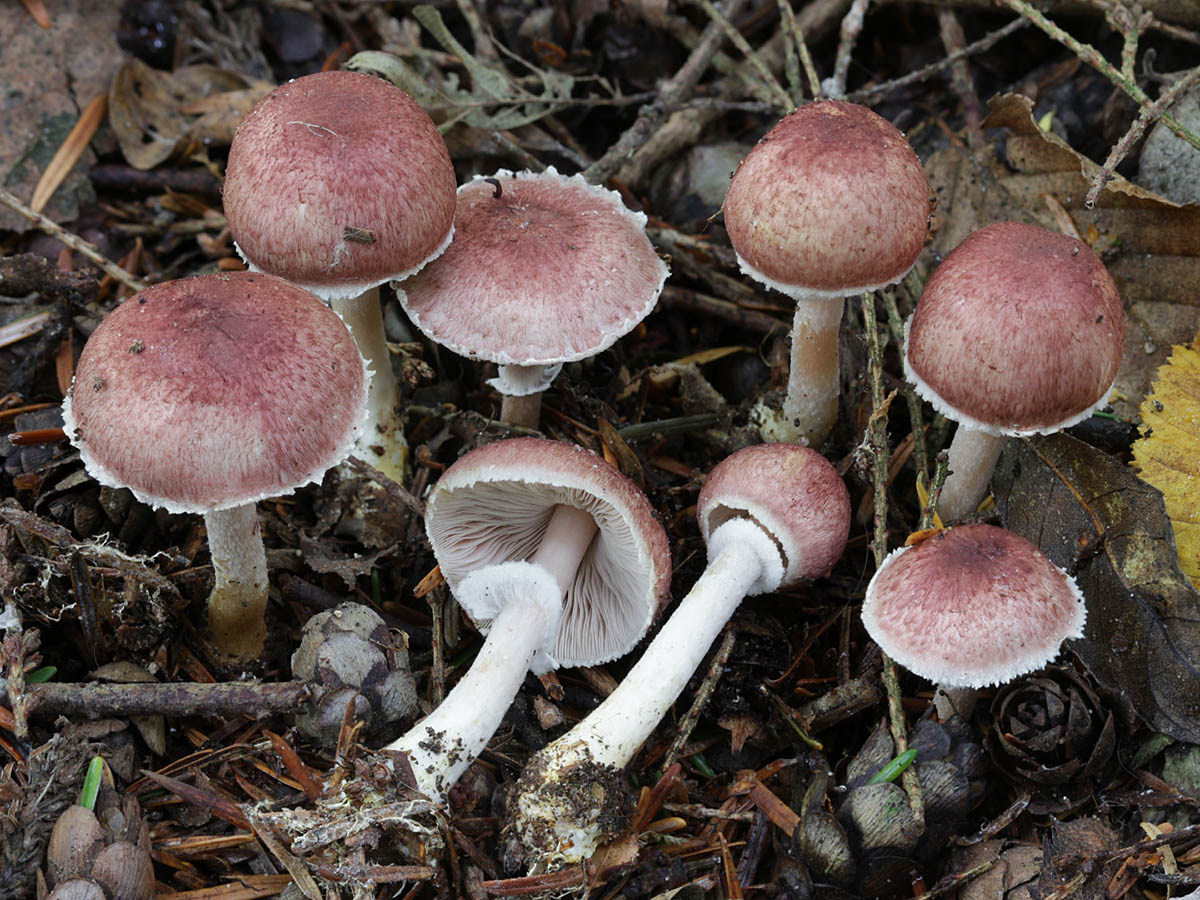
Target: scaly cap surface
(338,182)
(1019,331)
(215,391)
(551,270)
(831,202)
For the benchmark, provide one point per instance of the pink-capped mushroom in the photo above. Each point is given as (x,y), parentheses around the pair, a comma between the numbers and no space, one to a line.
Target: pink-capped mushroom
(340,182)
(832,202)
(558,557)
(1019,331)
(771,515)
(208,394)
(544,269)
(971,606)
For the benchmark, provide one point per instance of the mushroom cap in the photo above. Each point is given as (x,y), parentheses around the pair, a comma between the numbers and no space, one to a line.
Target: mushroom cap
(492,506)
(338,182)
(552,270)
(1019,331)
(212,392)
(971,606)
(831,202)
(793,493)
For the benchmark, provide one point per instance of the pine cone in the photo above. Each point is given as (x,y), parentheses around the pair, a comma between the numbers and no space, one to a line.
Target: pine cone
(1053,737)
(348,656)
(874,842)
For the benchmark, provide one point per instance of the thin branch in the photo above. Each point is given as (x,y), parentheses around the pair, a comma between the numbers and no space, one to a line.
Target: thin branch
(852,26)
(715,669)
(792,28)
(1146,116)
(1090,55)
(870,94)
(671,92)
(773,87)
(76,243)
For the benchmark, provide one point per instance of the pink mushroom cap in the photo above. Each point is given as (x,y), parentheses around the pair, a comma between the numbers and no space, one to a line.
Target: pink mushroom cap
(1019,331)
(212,392)
(493,505)
(972,606)
(831,202)
(339,181)
(793,493)
(543,269)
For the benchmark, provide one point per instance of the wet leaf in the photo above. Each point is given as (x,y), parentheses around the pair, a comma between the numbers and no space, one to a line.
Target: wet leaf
(1099,521)
(1168,453)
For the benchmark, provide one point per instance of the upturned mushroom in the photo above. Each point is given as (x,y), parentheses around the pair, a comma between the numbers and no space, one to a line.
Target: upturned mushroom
(771,515)
(971,606)
(558,557)
(544,269)
(340,182)
(208,394)
(832,202)
(1019,331)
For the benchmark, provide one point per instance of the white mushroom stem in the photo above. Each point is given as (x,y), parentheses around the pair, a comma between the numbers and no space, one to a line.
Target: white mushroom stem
(744,560)
(617,727)
(528,598)
(521,388)
(382,442)
(238,602)
(812,392)
(972,458)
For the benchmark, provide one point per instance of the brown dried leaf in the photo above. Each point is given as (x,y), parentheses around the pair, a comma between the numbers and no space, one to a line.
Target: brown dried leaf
(159,115)
(320,560)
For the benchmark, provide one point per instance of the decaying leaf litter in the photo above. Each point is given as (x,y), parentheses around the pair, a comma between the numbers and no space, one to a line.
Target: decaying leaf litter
(746,788)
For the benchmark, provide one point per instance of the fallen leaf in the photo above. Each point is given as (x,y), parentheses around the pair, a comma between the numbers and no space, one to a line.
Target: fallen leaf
(160,115)
(320,560)
(1096,519)
(1168,453)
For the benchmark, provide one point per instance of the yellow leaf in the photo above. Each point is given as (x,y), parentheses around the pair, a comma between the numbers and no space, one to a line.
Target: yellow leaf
(1168,453)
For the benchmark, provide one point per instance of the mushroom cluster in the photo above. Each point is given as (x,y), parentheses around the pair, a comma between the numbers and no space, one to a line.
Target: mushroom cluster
(208,394)
(771,515)
(558,557)
(340,182)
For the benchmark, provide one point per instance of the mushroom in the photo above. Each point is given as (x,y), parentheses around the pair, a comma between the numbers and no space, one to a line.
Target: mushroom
(971,606)
(558,557)
(340,182)
(207,394)
(832,202)
(1019,331)
(771,515)
(544,269)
